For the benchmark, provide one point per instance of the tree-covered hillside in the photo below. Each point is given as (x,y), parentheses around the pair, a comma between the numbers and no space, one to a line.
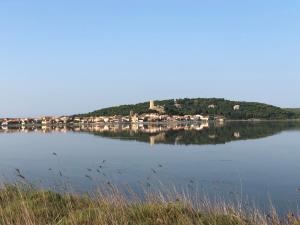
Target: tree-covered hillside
(204,106)
(295,110)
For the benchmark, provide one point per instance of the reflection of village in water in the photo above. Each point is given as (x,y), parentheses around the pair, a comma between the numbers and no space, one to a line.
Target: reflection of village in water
(150,128)
(170,133)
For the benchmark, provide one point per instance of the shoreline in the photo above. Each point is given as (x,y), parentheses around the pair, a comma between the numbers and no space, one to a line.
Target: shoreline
(145,123)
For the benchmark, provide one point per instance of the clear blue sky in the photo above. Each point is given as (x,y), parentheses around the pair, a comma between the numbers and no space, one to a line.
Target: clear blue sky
(63,57)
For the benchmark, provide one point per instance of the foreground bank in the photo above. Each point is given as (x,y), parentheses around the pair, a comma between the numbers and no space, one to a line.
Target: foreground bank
(26,206)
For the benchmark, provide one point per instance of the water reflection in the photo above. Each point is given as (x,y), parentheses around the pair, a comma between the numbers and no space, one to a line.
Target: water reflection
(184,156)
(175,134)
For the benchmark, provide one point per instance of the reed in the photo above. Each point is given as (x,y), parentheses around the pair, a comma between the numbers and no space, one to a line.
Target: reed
(25,205)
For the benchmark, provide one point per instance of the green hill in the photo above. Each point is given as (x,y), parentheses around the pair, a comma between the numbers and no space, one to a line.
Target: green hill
(295,110)
(204,106)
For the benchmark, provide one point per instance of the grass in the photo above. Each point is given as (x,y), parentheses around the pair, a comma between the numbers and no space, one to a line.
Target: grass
(23,205)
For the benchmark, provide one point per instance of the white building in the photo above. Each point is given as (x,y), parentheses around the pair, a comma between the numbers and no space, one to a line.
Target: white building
(236,107)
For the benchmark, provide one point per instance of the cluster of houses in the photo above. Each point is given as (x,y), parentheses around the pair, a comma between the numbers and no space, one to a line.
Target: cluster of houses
(134,119)
(158,117)
(43,121)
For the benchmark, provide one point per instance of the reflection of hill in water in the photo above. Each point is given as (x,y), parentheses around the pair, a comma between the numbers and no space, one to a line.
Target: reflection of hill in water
(197,135)
(182,134)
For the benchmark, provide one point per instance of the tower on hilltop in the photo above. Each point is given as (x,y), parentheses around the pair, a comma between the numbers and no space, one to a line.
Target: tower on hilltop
(159,109)
(152,105)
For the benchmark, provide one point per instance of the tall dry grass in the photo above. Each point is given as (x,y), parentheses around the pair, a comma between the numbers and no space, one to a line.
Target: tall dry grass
(23,205)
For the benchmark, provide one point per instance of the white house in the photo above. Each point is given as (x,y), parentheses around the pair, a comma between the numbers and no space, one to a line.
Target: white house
(236,107)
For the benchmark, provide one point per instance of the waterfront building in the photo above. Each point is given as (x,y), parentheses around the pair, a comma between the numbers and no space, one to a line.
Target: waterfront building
(134,118)
(47,120)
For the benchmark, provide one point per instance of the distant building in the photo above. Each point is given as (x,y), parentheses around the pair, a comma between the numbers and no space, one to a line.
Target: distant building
(236,107)
(212,106)
(4,123)
(47,120)
(159,109)
(24,121)
(152,105)
(177,105)
(200,117)
(134,118)
(98,120)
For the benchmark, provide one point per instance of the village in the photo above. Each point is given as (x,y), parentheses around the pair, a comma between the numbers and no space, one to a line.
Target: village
(134,119)
(158,117)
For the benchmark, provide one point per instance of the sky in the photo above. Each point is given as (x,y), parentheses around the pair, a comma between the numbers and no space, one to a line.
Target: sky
(73,56)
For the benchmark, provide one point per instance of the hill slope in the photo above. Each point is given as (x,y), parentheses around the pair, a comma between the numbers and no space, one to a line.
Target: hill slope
(295,110)
(204,106)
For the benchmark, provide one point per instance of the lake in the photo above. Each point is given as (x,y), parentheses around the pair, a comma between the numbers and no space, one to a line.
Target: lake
(252,161)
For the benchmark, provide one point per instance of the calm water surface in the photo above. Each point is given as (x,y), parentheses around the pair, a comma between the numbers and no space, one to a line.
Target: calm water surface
(258,161)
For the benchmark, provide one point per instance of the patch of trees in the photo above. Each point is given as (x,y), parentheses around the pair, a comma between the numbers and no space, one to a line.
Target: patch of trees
(204,106)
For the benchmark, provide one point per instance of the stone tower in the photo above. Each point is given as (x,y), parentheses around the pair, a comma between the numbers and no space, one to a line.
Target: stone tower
(152,105)
(159,109)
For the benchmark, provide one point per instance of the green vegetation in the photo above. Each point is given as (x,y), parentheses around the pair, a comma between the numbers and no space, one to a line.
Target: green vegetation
(26,206)
(122,110)
(294,110)
(221,107)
